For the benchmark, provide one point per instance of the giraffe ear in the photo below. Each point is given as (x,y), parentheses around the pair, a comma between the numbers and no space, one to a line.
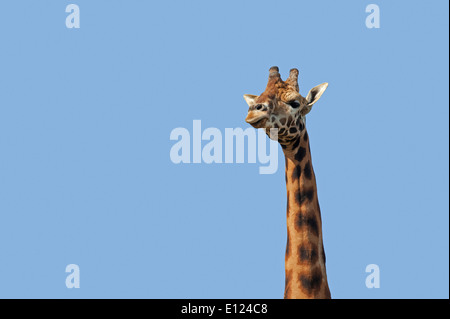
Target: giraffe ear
(250,99)
(313,96)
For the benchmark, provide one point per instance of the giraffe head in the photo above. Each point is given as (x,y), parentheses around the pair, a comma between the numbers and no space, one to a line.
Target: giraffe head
(282,107)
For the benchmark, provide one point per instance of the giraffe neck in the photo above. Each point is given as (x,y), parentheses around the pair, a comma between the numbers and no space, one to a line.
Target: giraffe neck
(305,257)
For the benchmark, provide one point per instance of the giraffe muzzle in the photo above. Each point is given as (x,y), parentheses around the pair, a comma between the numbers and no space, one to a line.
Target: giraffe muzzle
(257,119)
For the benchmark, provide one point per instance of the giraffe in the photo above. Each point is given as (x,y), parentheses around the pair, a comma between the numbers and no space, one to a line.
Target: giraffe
(282,107)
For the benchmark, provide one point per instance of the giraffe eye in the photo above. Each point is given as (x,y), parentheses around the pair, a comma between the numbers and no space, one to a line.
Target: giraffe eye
(294,104)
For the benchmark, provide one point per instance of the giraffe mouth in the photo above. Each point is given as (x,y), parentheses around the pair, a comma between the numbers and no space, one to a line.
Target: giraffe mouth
(257,120)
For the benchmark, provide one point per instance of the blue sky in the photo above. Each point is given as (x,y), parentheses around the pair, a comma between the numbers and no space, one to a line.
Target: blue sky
(85,172)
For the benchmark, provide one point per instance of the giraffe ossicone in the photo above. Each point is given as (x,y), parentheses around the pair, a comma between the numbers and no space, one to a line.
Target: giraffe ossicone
(282,107)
